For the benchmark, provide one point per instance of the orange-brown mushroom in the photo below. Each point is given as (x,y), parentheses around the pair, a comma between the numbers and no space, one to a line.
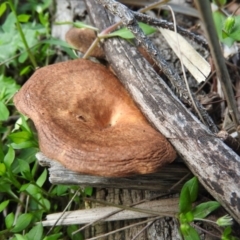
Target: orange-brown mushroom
(87,121)
(81,39)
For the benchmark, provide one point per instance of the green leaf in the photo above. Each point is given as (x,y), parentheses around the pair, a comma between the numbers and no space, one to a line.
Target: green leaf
(83,25)
(25,169)
(24,187)
(123,33)
(126,34)
(4,113)
(22,58)
(27,144)
(2,93)
(225,34)
(9,84)
(184,228)
(220,3)
(77,236)
(11,39)
(147,29)
(28,155)
(22,123)
(23,222)
(9,157)
(31,189)
(43,6)
(78,25)
(20,237)
(61,189)
(45,202)
(9,22)
(227,232)
(44,19)
(1,151)
(25,70)
(203,209)
(23,18)
(235,31)
(24,166)
(235,36)
(53,236)
(3,7)
(20,137)
(185,204)
(229,24)
(189,216)
(43,177)
(191,234)
(9,220)
(219,20)
(57,42)
(36,232)
(2,169)
(5,187)
(188,195)
(192,186)
(3,205)
(88,191)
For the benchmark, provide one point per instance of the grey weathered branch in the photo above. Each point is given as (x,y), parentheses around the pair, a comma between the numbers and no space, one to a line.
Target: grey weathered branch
(162,181)
(215,164)
(129,20)
(163,207)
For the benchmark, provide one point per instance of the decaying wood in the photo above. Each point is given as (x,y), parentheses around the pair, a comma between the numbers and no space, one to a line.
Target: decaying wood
(129,20)
(164,207)
(161,181)
(216,165)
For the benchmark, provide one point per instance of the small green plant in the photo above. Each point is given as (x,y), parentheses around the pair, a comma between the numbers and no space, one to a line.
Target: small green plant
(228,27)
(25,39)
(122,32)
(190,213)
(26,196)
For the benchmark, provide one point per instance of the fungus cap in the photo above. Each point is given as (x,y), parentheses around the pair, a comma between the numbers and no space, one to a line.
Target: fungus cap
(87,121)
(81,39)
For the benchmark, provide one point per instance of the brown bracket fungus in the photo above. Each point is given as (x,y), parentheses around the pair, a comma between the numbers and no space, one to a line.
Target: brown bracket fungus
(87,121)
(81,39)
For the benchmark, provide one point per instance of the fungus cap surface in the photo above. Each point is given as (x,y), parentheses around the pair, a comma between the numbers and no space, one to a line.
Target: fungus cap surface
(81,39)
(87,121)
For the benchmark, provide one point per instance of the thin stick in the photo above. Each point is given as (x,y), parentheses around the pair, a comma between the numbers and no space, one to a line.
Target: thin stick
(169,25)
(124,228)
(183,69)
(153,5)
(91,48)
(141,210)
(203,230)
(22,35)
(142,230)
(65,209)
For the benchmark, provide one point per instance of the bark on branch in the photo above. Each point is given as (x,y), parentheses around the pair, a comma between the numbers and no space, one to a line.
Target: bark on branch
(215,164)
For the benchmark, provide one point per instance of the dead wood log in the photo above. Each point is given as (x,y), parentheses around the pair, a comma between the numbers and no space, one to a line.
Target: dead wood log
(161,181)
(215,164)
(163,207)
